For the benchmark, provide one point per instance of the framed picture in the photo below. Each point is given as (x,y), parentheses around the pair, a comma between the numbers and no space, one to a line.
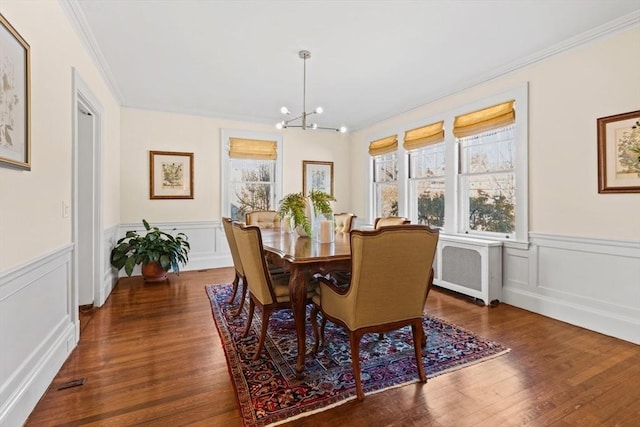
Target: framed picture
(171,175)
(619,153)
(317,176)
(15,137)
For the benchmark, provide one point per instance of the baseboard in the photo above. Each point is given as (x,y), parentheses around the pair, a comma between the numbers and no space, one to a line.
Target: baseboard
(607,323)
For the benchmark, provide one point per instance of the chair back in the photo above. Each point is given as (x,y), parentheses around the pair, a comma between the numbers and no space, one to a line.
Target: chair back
(390,220)
(227,224)
(249,242)
(263,219)
(344,222)
(390,273)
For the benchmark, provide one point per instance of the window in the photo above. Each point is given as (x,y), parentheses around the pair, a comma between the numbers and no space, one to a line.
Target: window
(385,176)
(466,173)
(251,173)
(487,181)
(427,163)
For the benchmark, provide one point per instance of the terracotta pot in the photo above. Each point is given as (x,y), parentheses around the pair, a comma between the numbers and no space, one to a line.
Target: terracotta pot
(153,272)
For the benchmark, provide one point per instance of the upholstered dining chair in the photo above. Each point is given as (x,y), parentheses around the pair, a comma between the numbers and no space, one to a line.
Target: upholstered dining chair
(344,221)
(263,219)
(227,224)
(269,292)
(385,221)
(391,271)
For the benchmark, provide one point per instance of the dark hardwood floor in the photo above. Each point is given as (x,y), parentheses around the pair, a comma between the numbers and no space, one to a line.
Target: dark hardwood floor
(152,356)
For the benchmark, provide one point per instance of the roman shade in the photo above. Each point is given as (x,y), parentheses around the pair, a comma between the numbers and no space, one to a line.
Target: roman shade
(423,136)
(383,145)
(241,148)
(483,120)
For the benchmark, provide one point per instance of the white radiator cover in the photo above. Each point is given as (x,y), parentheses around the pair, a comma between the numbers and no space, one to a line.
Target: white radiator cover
(470,266)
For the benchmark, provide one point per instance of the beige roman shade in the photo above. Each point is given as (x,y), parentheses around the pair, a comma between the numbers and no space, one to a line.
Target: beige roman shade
(383,145)
(241,148)
(483,120)
(423,136)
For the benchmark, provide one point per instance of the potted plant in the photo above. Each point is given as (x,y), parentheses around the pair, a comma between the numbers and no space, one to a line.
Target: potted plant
(156,251)
(301,209)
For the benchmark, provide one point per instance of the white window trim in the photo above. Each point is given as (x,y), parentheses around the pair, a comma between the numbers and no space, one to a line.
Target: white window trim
(225,172)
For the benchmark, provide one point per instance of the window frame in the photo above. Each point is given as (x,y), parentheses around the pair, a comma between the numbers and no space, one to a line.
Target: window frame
(225,164)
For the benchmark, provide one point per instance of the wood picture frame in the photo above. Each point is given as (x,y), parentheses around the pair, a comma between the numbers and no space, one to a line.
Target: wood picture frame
(619,153)
(317,176)
(171,175)
(15,98)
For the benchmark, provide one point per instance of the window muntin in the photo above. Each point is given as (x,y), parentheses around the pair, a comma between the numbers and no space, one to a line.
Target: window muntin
(385,183)
(487,182)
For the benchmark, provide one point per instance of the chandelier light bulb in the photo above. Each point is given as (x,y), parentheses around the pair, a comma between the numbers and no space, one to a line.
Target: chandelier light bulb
(279,125)
(285,110)
(343,129)
(319,110)
(314,126)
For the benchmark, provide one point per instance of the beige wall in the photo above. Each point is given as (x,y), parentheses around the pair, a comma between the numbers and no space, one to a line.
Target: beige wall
(567,93)
(31,220)
(144,131)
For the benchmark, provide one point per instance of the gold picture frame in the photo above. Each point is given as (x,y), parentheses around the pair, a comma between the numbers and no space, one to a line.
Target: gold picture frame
(15,91)
(171,175)
(317,176)
(619,153)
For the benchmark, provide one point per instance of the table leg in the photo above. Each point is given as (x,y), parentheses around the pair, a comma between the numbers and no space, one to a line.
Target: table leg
(297,294)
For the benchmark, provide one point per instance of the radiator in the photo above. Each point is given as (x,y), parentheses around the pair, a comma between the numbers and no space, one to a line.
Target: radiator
(470,266)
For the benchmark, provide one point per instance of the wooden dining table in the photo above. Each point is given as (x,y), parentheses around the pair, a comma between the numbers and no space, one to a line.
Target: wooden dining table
(304,257)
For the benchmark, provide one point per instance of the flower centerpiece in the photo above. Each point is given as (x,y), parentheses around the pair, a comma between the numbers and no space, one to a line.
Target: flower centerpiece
(302,210)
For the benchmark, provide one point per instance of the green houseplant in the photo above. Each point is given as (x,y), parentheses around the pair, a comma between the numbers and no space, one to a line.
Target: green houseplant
(155,250)
(300,208)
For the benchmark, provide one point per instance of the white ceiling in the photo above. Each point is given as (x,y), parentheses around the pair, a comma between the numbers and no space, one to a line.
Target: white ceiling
(370,60)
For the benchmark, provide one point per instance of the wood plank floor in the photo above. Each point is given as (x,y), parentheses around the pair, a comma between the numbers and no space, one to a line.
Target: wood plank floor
(152,356)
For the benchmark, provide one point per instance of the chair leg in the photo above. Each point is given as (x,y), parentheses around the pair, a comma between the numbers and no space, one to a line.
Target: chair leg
(416,328)
(314,325)
(244,295)
(235,288)
(354,338)
(380,336)
(266,313)
(252,306)
(322,325)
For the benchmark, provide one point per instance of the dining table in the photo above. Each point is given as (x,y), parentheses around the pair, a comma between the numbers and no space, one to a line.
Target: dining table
(304,257)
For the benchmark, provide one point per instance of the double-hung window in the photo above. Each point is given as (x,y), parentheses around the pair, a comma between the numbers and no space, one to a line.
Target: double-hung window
(385,176)
(487,170)
(250,176)
(426,150)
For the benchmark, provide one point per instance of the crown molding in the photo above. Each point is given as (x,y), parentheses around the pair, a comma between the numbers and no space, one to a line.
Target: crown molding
(79,23)
(618,25)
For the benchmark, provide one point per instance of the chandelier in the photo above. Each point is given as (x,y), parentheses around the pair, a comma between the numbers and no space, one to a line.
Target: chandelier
(304,55)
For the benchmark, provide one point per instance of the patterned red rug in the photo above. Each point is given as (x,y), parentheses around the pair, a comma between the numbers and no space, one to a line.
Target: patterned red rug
(269,392)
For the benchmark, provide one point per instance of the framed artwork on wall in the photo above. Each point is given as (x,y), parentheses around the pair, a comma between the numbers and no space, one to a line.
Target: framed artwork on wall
(15,108)
(171,175)
(317,176)
(619,153)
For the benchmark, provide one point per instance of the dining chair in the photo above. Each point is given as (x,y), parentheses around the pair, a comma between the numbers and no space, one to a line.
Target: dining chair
(344,222)
(385,221)
(227,224)
(263,219)
(391,271)
(269,292)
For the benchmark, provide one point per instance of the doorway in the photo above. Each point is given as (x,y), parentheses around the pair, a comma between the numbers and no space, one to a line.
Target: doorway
(87,231)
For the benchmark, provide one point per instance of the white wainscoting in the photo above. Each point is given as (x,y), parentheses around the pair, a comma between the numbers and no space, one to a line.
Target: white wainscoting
(209,248)
(592,283)
(110,274)
(37,331)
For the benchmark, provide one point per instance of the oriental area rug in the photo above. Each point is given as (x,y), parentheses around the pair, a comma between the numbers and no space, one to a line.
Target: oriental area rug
(268,391)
